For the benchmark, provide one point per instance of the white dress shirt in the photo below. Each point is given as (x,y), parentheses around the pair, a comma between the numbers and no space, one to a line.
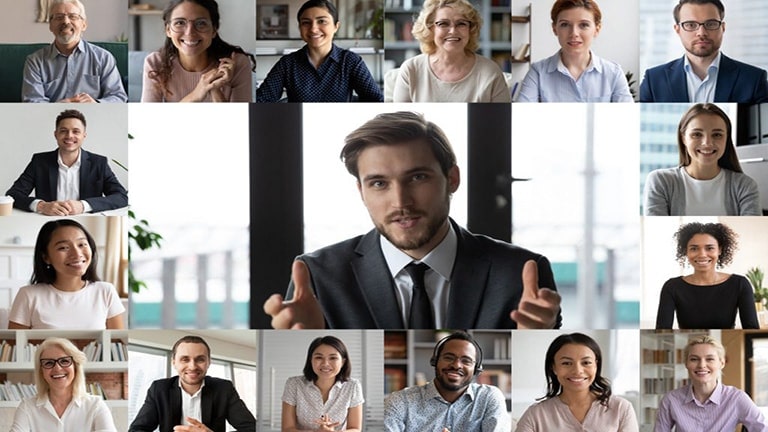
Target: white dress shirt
(88,413)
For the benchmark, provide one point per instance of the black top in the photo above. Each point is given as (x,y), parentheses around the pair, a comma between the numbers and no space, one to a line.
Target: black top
(707,306)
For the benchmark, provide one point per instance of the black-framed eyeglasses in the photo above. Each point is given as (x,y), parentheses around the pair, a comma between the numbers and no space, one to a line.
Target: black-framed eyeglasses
(712,24)
(202,25)
(72,17)
(450,358)
(62,361)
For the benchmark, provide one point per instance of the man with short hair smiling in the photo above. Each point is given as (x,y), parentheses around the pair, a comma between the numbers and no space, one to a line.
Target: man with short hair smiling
(192,401)
(703,74)
(71,70)
(451,401)
(69,180)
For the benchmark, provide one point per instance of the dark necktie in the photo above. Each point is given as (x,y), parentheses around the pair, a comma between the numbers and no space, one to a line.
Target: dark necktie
(421,308)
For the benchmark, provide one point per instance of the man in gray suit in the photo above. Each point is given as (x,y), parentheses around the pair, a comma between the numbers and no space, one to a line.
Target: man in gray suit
(417,268)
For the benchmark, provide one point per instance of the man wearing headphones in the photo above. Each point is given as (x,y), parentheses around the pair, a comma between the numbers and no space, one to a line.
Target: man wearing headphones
(451,401)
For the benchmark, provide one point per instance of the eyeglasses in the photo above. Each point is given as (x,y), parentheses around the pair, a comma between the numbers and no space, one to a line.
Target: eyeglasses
(460,24)
(450,358)
(712,24)
(62,361)
(72,17)
(202,25)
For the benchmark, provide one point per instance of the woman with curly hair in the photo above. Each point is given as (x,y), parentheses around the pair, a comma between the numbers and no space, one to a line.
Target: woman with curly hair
(707,298)
(708,180)
(448,70)
(195,64)
(578,397)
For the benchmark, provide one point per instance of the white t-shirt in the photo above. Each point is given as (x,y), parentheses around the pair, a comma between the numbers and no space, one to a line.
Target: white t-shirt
(87,414)
(308,400)
(42,306)
(704,197)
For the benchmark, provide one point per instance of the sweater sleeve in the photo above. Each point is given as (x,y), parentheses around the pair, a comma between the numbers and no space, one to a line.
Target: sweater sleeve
(747,311)
(656,200)
(666,313)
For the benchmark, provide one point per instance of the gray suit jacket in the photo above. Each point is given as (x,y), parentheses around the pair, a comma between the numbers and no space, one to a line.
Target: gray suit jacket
(356,291)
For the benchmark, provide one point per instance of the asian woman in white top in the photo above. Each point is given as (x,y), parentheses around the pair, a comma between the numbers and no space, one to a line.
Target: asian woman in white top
(65,291)
(709,180)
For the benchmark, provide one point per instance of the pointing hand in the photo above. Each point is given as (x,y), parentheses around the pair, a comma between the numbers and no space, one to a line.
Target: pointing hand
(538,307)
(303,310)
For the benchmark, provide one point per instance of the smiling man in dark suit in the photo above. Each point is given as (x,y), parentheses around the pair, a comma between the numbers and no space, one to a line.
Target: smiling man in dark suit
(703,74)
(69,180)
(192,401)
(417,268)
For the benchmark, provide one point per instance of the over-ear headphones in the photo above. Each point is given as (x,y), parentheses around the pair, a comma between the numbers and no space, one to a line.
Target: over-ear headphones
(459,335)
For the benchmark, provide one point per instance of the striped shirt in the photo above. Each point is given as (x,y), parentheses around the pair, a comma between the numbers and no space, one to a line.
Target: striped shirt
(725,408)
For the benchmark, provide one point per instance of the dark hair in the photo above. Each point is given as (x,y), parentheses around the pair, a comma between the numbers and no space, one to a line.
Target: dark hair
(601,387)
(190,339)
(70,113)
(397,128)
(325,4)
(44,273)
(458,335)
(217,50)
(590,5)
(729,159)
(334,343)
(726,240)
(717,3)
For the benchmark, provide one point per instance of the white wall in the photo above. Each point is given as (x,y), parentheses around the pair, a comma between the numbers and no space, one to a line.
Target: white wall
(107,21)
(617,41)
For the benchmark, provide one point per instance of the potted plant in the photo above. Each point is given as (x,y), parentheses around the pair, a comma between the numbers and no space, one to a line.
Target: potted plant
(755,276)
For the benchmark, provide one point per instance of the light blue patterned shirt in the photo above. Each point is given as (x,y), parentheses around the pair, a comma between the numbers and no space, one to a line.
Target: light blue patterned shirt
(548,80)
(50,76)
(701,90)
(481,408)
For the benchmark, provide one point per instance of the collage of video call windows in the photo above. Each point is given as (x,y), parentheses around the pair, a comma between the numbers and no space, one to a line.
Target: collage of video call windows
(451,259)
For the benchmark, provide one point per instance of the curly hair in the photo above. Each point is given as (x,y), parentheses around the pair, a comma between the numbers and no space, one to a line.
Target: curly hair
(218,49)
(423,27)
(726,240)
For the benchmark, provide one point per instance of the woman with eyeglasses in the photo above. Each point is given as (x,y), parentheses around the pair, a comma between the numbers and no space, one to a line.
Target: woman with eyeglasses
(575,73)
(195,64)
(324,398)
(578,397)
(65,291)
(61,403)
(449,70)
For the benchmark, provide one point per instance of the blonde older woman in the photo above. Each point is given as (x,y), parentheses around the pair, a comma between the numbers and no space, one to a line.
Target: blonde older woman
(61,402)
(448,70)
(706,403)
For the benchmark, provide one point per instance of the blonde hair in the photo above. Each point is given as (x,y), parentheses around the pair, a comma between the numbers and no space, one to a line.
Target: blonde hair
(423,27)
(78,360)
(704,339)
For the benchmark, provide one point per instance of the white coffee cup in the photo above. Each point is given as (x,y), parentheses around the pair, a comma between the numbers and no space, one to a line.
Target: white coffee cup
(6,205)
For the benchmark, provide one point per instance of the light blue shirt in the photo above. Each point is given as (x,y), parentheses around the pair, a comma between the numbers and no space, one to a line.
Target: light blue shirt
(548,80)
(701,90)
(421,408)
(50,76)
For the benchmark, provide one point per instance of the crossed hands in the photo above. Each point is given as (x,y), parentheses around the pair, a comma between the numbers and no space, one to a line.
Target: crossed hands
(302,311)
(60,208)
(79,98)
(212,82)
(194,426)
(538,307)
(326,424)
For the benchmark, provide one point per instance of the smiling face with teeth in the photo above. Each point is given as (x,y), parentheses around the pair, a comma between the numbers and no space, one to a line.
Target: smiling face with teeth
(191,360)
(703,252)
(66,31)
(451,30)
(327,362)
(455,367)
(190,43)
(575,367)
(68,252)
(704,364)
(705,139)
(58,378)
(317,27)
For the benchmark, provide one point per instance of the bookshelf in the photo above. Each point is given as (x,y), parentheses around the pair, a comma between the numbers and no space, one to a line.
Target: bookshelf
(520,59)
(105,371)
(662,368)
(407,354)
(399,43)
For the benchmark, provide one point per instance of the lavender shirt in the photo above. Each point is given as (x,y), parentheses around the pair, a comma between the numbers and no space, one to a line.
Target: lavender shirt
(725,408)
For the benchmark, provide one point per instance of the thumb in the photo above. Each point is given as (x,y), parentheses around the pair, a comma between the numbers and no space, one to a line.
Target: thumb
(530,279)
(300,277)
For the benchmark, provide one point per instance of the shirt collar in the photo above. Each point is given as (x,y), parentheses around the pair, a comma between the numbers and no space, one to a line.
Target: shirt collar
(440,259)
(195,393)
(716,397)
(55,51)
(334,55)
(430,392)
(74,165)
(558,65)
(715,65)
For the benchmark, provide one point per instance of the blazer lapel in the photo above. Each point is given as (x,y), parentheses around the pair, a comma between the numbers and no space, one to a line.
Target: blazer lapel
(85,169)
(468,282)
(726,79)
(206,404)
(677,85)
(53,178)
(376,284)
(175,399)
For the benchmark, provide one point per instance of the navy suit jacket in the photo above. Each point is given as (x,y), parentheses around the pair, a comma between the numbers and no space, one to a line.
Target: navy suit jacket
(98,184)
(736,82)
(355,289)
(220,402)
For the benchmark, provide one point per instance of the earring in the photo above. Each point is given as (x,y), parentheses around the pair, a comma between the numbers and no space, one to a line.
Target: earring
(47,266)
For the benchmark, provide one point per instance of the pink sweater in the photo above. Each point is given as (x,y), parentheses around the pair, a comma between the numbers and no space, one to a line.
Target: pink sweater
(182,82)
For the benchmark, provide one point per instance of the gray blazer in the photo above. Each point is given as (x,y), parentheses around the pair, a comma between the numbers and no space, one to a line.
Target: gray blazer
(665,194)
(356,291)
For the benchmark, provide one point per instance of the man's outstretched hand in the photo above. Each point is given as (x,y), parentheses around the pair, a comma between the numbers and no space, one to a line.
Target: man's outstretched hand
(538,307)
(302,311)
